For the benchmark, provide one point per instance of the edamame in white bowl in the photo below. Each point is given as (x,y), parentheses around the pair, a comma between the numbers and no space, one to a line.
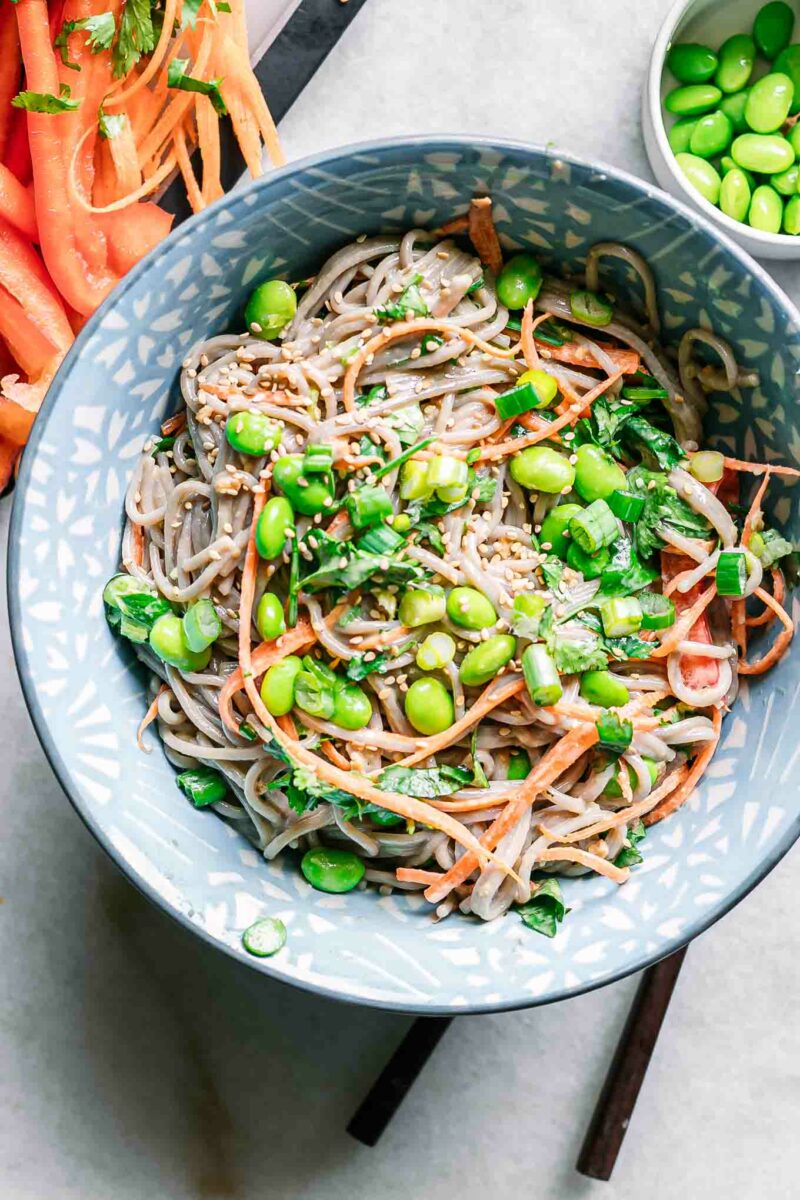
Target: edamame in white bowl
(706,23)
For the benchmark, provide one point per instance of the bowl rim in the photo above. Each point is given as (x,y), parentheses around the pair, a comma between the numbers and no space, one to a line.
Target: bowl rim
(658,62)
(429,143)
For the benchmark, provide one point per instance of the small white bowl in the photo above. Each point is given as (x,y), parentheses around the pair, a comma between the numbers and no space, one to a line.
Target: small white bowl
(709,22)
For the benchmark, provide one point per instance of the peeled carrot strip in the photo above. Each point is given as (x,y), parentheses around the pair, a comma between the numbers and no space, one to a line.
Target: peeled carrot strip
(548,769)
(781,643)
(82,287)
(210,153)
(585,859)
(682,794)
(16,204)
(483,235)
(625,361)
(576,410)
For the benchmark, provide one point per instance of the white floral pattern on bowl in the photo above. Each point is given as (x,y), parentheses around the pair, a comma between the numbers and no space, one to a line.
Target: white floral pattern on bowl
(87,696)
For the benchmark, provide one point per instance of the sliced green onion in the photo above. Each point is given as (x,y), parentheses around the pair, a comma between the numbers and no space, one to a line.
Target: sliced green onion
(731,575)
(448,477)
(368,506)
(202,785)
(518,400)
(313,695)
(621,616)
(163,444)
(201,625)
(294,584)
(769,546)
(658,612)
(515,324)
(414,481)
(431,341)
(613,734)
(707,466)
(247,732)
(394,463)
(265,937)
(436,652)
(594,527)
(551,333)
(626,505)
(318,460)
(591,308)
(541,676)
(643,387)
(383,539)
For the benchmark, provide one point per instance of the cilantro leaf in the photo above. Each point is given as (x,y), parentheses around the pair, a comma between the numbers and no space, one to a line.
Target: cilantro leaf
(342,565)
(43,102)
(358,669)
(424,782)
(409,300)
(552,572)
(137,36)
(659,446)
(629,856)
(545,911)
(662,505)
(480,489)
(479,775)
(100,30)
(625,574)
(575,648)
(177,78)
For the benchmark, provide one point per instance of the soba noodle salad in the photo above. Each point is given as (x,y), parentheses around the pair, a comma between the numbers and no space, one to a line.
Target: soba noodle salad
(436,583)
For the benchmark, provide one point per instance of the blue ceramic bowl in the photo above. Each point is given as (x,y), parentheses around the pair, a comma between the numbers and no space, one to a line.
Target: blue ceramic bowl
(87,697)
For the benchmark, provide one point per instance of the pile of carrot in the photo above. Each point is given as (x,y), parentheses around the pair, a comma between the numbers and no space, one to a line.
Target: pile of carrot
(101,103)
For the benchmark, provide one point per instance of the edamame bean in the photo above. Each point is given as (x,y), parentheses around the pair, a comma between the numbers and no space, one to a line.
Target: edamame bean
(736,58)
(733,106)
(541,469)
(519,765)
(270,621)
(596,474)
(765,153)
(693,100)
(277,687)
(543,384)
(727,164)
(331,870)
(519,281)
(470,609)
(270,308)
(734,194)
(168,640)
(766,210)
(791,216)
(310,497)
(600,687)
(690,62)
(437,651)
(429,706)
(793,138)
(419,607)
(701,175)
(769,102)
(680,134)
(253,433)
(554,536)
(351,706)
(786,182)
(486,660)
(788,63)
(711,135)
(772,28)
(275,524)
(591,566)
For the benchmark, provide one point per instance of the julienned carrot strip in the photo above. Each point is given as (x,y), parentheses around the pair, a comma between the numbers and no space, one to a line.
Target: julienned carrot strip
(338,759)
(195,196)
(697,671)
(208,140)
(134,232)
(755,468)
(236,66)
(122,151)
(16,204)
(682,793)
(402,329)
(483,235)
(631,811)
(779,591)
(526,339)
(626,361)
(84,289)
(177,108)
(22,274)
(404,806)
(585,859)
(576,410)
(149,716)
(417,875)
(122,94)
(490,698)
(173,424)
(548,769)
(10,71)
(781,643)
(294,641)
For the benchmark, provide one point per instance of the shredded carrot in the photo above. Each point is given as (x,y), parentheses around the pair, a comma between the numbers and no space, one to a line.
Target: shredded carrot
(377,640)
(575,411)
(174,424)
(148,719)
(754,512)
(489,698)
(755,468)
(335,756)
(528,326)
(625,361)
(138,544)
(483,235)
(781,643)
(584,859)
(680,630)
(673,802)
(417,875)
(455,225)
(767,616)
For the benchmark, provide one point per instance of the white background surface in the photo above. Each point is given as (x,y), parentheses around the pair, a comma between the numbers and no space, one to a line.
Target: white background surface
(135,1063)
